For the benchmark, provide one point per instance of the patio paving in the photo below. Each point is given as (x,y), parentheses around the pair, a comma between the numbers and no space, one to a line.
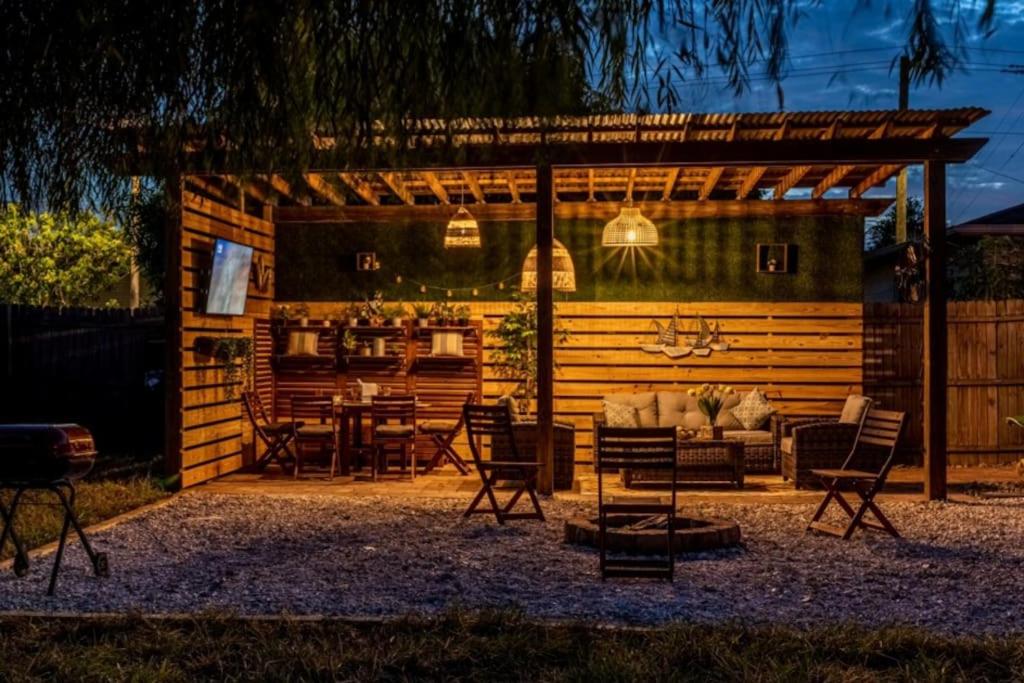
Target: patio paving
(957,570)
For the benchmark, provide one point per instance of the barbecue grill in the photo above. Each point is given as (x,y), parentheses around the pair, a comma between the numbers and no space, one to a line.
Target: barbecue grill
(47,458)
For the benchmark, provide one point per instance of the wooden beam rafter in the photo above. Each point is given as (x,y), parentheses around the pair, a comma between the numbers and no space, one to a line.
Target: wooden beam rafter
(324,189)
(600,210)
(750,182)
(513,187)
(474,186)
(712,178)
(397,185)
(590,185)
(876,177)
(360,187)
(670,183)
(831,180)
(254,190)
(430,178)
(789,181)
(630,182)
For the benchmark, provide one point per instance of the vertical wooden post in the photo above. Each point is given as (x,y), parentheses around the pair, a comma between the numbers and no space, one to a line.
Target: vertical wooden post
(134,287)
(545,327)
(934,330)
(173,359)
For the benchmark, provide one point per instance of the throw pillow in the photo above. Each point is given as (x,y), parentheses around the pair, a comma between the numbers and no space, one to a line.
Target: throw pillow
(854,409)
(513,406)
(620,414)
(753,410)
(302,343)
(446,344)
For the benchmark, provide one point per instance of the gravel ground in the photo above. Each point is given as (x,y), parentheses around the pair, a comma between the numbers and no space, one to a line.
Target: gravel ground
(958,569)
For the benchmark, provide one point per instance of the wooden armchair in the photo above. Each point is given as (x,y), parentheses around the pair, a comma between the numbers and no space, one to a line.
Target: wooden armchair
(818,443)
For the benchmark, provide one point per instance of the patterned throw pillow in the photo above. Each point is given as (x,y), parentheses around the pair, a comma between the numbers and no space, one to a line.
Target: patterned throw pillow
(446,344)
(620,415)
(753,410)
(302,343)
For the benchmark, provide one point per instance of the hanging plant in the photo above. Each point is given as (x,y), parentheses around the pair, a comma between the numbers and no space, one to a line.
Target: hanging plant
(235,354)
(515,354)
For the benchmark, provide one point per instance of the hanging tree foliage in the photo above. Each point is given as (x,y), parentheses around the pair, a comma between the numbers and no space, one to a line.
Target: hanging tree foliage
(94,91)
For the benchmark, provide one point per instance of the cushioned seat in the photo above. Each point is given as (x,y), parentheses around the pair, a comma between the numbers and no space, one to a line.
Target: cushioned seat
(281,427)
(786,444)
(751,436)
(316,430)
(394,430)
(438,426)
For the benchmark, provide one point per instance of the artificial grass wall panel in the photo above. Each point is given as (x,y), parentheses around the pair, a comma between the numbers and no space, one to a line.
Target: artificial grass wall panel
(697,260)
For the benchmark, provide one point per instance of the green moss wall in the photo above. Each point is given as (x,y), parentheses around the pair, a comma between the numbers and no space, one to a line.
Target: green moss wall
(697,260)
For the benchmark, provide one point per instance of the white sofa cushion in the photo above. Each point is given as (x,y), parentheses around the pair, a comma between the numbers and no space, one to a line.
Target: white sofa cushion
(753,410)
(620,414)
(645,403)
(752,436)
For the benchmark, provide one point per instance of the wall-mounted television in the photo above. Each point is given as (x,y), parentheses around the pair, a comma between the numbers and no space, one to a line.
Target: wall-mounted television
(229,278)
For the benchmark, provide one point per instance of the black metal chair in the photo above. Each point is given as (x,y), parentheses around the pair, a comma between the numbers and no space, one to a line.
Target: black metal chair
(489,421)
(633,448)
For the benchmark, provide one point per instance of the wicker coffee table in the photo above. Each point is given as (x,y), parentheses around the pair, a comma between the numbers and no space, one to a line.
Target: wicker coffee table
(699,460)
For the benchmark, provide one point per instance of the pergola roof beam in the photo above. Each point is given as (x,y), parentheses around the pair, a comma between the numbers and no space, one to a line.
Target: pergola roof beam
(474,186)
(430,178)
(877,177)
(831,180)
(789,181)
(360,187)
(670,183)
(709,183)
(397,185)
(750,182)
(513,186)
(324,189)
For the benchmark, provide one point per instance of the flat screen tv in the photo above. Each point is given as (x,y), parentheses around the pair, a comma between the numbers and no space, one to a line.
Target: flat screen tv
(229,278)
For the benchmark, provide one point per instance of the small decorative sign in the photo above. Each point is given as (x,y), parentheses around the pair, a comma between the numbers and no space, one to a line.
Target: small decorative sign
(262,274)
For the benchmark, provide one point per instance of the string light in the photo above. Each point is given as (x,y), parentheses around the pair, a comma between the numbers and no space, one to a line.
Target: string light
(398,279)
(476,292)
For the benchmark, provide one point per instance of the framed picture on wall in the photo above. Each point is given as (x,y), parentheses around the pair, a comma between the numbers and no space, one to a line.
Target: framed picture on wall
(367,260)
(776,258)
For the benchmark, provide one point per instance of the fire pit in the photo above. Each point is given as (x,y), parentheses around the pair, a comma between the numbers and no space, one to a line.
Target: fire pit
(643,534)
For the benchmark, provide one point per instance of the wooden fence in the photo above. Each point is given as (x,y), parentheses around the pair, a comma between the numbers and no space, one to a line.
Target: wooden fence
(986,374)
(101,368)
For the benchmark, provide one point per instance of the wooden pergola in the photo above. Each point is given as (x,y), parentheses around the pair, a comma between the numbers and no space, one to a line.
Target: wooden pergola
(672,166)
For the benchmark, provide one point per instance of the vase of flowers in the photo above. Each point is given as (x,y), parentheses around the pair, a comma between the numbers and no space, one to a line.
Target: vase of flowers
(710,400)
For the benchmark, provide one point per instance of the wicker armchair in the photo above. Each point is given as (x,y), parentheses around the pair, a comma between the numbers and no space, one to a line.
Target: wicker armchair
(817,443)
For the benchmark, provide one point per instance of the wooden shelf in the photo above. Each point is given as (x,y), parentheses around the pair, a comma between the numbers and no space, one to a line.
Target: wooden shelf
(428,362)
(373,361)
(296,326)
(283,360)
(430,329)
(381,331)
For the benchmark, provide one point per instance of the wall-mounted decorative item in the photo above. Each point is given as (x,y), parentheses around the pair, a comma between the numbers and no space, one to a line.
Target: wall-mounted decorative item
(629,229)
(367,260)
(261,274)
(462,230)
(776,258)
(563,273)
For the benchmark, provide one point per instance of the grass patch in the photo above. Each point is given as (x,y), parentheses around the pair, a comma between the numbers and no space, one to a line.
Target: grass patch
(485,646)
(40,515)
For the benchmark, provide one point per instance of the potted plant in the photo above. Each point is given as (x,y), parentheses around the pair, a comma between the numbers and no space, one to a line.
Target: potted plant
(349,315)
(301,312)
(444,313)
(349,342)
(460,315)
(422,312)
(235,354)
(364,349)
(394,314)
(280,315)
(370,309)
(710,400)
(515,353)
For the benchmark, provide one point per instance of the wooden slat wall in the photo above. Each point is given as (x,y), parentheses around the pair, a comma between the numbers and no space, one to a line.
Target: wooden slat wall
(808,355)
(986,374)
(215,438)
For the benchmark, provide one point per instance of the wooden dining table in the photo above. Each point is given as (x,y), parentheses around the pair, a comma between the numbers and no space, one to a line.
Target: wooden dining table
(350,417)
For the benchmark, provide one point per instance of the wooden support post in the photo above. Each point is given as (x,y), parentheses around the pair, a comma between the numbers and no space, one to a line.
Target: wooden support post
(934,330)
(545,327)
(173,296)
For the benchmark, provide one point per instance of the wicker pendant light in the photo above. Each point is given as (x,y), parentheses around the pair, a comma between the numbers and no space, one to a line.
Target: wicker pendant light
(563,273)
(629,229)
(462,230)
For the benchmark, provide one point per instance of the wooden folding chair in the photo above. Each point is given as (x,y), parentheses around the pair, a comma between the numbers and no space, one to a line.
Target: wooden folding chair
(320,431)
(393,419)
(443,433)
(490,421)
(878,436)
(633,448)
(276,436)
